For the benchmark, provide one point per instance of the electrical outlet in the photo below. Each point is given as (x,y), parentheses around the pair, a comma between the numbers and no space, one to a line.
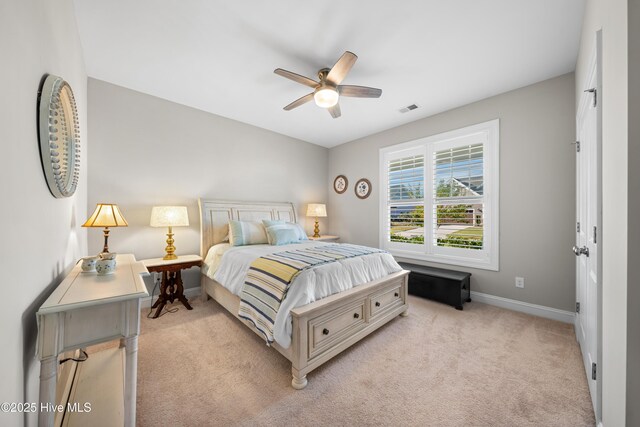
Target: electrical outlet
(519,282)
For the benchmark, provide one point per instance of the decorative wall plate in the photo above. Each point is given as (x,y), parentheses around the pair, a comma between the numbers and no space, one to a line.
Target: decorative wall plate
(340,184)
(59,136)
(363,188)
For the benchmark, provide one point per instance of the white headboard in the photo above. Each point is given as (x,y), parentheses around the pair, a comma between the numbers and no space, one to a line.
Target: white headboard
(215,216)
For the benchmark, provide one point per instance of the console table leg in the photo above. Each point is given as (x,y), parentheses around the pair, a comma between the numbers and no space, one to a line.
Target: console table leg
(48,378)
(130,378)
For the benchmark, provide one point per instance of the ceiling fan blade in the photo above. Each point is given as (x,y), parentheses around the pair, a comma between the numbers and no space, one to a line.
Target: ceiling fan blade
(341,68)
(298,102)
(359,91)
(335,111)
(296,77)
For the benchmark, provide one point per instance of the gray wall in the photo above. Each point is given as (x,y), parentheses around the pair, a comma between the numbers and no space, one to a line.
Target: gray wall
(537,188)
(148,151)
(41,236)
(633,276)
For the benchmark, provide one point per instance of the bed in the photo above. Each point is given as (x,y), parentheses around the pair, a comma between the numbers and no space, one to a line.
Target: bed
(321,329)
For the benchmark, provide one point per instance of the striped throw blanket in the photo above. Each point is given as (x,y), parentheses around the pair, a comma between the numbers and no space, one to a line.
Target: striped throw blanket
(269,278)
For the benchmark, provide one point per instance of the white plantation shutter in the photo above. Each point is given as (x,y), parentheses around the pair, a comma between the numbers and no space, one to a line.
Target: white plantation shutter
(406,179)
(458,187)
(404,214)
(461,169)
(453,178)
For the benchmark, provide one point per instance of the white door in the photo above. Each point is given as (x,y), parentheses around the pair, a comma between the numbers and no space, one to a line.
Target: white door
(587,232)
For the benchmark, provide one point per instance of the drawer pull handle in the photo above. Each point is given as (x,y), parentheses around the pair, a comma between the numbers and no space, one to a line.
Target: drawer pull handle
(396,295)
(377,304)
(356,315)
(325,331)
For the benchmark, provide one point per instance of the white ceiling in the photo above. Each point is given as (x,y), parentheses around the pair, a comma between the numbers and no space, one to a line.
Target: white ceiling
(219,56)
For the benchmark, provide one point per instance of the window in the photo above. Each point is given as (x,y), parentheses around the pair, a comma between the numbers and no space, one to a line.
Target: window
(441,199)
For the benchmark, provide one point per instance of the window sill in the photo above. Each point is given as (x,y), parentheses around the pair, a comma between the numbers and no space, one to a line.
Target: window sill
(442,259)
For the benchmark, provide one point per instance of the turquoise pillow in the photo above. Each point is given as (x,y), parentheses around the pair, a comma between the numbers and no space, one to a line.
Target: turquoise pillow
(282,234)
(297,227)
(270,222)
(301,233)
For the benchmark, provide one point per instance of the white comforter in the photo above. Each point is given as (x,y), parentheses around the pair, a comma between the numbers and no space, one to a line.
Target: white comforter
(229,265)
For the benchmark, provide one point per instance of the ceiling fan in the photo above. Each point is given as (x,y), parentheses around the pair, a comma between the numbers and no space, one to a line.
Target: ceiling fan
(328,90)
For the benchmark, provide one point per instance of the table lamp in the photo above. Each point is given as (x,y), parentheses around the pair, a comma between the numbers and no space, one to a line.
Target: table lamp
(316,210)
(106,215)
(169,216)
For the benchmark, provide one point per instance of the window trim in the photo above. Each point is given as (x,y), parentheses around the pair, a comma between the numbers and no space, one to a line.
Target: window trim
(486,259)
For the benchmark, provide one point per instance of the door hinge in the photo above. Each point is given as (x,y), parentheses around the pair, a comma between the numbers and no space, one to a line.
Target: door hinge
(578,227)
(594,371)
(595,234)
(577,307)
(577,146)
(594,91)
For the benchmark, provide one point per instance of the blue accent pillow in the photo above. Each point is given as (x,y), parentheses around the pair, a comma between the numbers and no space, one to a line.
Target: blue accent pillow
(301,233)
(282,234)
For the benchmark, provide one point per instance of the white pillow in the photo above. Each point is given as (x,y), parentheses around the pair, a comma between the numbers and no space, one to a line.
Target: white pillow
(243,233)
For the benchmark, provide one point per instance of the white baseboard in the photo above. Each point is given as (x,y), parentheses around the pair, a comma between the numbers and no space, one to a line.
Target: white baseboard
(510,304)
(524,307)
(189,293)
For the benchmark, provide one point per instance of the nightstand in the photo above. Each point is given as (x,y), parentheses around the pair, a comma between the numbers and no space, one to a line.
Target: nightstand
(325,238)
(171,288)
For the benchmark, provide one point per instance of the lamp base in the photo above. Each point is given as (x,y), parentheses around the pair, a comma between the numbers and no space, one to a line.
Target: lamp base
(106,240)
(170,249)
(316,229)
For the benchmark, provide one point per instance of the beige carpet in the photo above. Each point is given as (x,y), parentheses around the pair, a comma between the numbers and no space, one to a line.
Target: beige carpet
(483,366)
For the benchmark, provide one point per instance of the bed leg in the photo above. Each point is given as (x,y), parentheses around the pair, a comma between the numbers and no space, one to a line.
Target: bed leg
(404,313)
(204,296)
(299,381)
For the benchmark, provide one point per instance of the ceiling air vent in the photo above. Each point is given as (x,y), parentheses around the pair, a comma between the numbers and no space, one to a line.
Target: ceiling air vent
(408,108)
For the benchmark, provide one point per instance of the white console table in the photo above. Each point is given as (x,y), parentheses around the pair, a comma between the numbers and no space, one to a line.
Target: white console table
(87,309)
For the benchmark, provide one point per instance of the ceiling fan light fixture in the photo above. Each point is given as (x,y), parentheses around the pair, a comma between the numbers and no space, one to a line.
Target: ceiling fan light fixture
(326,97)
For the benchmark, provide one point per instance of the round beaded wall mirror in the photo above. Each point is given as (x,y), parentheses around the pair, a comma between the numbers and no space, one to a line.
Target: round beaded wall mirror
(59,136)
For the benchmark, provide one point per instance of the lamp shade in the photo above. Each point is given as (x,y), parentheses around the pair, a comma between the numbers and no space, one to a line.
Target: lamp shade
(169,216)
(317,210)
(106,215)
